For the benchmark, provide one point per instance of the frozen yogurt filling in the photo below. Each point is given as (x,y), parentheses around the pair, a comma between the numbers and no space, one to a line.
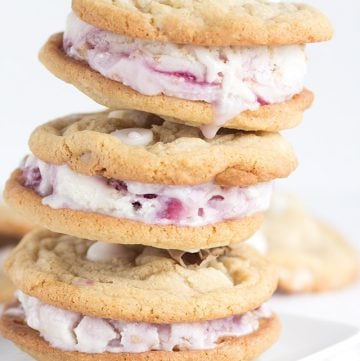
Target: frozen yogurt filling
(193,206)
(71,331)
(232,79)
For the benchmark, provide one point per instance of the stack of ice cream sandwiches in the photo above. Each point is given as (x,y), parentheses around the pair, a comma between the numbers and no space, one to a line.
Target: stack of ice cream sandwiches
(146,205)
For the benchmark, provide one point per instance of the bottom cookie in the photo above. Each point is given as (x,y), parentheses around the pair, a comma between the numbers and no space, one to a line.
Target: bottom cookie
(244,348)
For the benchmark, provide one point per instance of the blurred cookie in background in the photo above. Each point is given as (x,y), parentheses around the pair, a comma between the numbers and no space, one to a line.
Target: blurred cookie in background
(311,255)
(12,228)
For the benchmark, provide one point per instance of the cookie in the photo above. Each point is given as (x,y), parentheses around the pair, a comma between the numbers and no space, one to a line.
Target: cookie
(115,95)
(138,284)
(12,225)
(7,290)
(99,300)
(244,348)
(224,23)
(197,193)
(12,228)
(168,153)
(111,229)
(311,255)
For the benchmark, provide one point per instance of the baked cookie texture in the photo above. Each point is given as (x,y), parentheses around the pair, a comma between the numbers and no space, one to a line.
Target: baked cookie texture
(115,95)
(12,228)
(95,226)
(12,225)
(224,23)
(178,155)
(237,349)
(145,285)
(7,289)
(311,256)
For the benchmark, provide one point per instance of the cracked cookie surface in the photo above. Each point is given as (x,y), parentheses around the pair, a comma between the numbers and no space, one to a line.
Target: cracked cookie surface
(144,285)
(224,23)
(177,155)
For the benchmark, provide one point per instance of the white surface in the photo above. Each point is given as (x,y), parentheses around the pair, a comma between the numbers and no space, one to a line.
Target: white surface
(340,306)
(309,339)
(303,339)
(337,306)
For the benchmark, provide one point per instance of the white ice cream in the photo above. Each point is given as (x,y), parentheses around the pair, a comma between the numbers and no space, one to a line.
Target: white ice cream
(148,203)
(71,331)
(232,79)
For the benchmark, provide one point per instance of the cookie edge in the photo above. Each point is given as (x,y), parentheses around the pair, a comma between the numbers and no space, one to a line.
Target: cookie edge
(249,32)
(115,95)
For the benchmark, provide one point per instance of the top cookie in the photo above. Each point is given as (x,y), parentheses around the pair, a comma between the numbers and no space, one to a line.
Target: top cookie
(208,22)
(161,152)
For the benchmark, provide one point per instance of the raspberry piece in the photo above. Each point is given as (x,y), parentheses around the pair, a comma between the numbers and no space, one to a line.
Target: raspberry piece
(32,177)
(119,185)
(150,196)
(173,210)
(137,205)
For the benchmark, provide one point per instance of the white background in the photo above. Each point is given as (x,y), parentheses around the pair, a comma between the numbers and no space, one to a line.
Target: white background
(327,142)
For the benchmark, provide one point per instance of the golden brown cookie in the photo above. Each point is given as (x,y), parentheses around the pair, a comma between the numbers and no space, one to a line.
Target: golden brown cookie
(177,155)
(141,284)
(311,256)
(223,23)
(116,230)
(244,348)
(12,228)
(12,225)
(7,289)
(115,95)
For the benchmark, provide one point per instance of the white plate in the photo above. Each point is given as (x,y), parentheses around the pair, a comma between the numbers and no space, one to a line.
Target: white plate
(303,339)
(309,339)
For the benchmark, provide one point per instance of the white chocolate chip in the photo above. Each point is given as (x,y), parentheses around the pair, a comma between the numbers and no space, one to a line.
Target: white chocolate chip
(259,242)
(299,280)
(116,114)
(106,252)
(134,136)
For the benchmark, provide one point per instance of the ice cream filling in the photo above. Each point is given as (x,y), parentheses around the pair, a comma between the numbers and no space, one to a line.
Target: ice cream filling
(70,331)
(197,205)
(232,79)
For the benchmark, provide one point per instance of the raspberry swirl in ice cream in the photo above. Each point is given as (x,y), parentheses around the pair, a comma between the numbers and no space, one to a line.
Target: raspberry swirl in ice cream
(232,79)
(71,331)
(197,205)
